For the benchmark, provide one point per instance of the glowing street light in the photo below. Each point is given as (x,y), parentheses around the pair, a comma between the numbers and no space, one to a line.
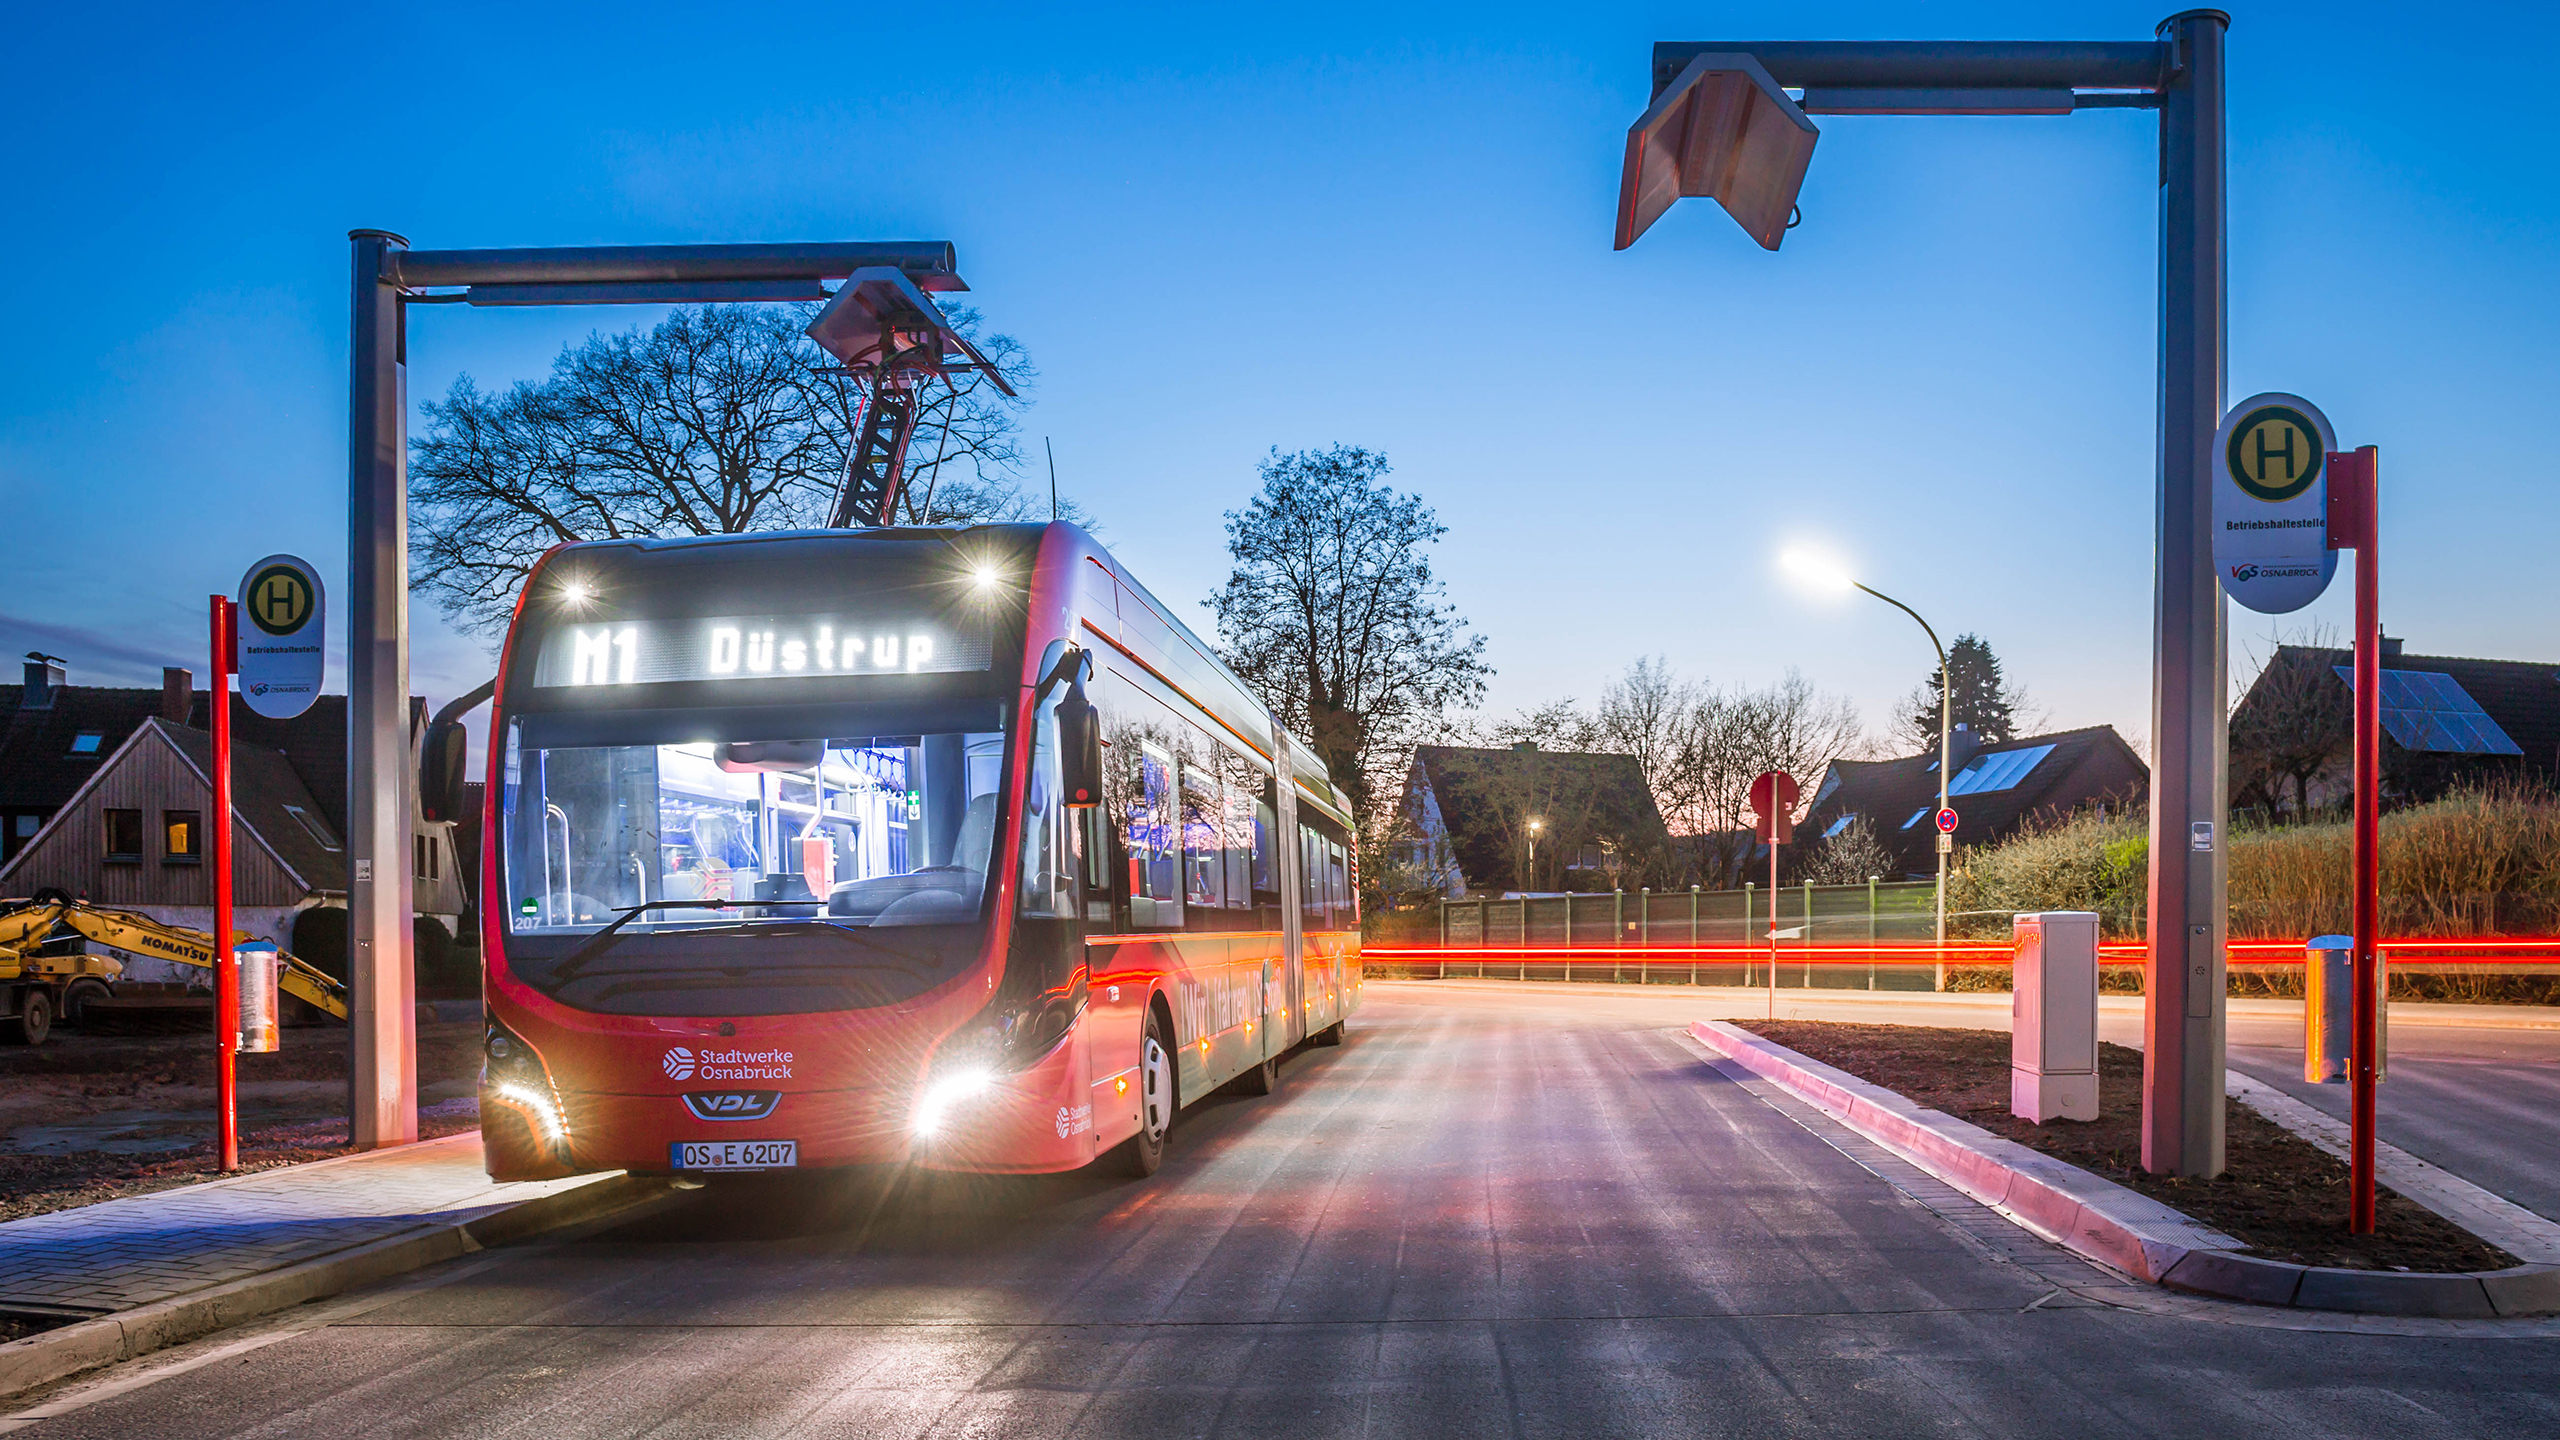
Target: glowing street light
(1535,825)
(1826,574)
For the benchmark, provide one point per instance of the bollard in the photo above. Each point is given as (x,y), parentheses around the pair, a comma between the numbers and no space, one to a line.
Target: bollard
(2053,1016)
(257,964)
(2329,1010)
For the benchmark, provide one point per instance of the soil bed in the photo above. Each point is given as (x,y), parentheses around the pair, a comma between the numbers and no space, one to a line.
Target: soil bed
(133,1100)
(2282,1197)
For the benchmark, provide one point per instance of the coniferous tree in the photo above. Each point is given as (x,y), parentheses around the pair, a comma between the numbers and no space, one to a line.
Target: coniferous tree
(1984,699)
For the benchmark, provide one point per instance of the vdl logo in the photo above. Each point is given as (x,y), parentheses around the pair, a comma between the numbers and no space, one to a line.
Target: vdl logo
(679,1063)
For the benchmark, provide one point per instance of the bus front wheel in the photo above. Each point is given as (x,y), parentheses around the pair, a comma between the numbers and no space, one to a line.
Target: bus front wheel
(1142,1154)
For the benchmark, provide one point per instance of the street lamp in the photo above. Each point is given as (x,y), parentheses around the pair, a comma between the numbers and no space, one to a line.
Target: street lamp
(1530,883)
(1815,570)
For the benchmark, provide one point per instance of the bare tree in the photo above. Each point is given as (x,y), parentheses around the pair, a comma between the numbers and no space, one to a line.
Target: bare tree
(1734,736)
(1698,746)
(2293,724)
(1557,725)
(1852,857)
(1645,713)
(716,420)
(1332,612)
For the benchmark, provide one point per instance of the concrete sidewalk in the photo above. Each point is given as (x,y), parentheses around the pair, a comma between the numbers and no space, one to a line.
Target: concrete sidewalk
(131,1268)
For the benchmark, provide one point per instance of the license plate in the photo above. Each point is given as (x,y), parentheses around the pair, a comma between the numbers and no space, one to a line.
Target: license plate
(737,1154)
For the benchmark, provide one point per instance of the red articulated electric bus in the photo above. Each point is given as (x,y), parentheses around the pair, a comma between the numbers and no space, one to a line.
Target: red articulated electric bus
(830,848)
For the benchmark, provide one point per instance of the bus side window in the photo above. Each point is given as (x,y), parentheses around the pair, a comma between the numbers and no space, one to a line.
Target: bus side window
(1237,841)
(1266,825)
(1310,877)
(1203,824)
(1155,881)
(1048,866)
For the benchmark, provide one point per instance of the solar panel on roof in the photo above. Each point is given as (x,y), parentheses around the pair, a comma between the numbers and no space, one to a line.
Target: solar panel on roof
(2430,712)
(1997,771)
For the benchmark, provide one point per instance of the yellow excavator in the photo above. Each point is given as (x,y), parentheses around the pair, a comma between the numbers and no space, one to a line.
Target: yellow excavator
(38,981)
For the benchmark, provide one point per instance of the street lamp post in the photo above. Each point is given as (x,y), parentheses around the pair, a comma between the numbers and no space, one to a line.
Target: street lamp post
(1814,569)
(1529,882)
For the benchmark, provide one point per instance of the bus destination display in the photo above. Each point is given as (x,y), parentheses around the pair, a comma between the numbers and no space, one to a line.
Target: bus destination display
(752,647)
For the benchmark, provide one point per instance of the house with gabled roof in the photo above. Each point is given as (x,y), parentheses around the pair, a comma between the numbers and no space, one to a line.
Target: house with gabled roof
(2447,721)
(121,823)
(1995,789)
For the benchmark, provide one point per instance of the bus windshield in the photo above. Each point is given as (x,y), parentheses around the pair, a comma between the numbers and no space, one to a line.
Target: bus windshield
(865,831)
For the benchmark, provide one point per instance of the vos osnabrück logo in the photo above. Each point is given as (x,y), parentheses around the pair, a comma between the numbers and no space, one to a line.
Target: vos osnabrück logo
(679,1063)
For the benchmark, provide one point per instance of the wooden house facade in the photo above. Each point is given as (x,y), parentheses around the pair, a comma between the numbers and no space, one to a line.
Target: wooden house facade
(133,837)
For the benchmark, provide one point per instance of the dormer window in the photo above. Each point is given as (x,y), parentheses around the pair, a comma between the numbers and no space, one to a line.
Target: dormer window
(312,825)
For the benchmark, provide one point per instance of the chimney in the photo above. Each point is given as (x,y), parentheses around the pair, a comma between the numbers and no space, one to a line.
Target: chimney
(2390,650)
(44,677)
(177,694)
(1962,746)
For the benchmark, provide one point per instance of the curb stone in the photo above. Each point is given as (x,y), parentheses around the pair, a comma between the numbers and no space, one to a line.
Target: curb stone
(2114,1225)
(54,1354)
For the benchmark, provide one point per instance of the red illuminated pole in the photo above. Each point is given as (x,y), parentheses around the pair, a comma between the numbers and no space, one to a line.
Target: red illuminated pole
(226,975)
(2355,496)
(1773,917)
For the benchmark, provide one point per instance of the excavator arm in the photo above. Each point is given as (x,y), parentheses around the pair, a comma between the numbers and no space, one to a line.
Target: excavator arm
(141,935)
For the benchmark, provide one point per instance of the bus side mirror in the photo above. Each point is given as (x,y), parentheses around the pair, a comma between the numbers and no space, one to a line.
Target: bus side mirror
(1080,748)
(443,772)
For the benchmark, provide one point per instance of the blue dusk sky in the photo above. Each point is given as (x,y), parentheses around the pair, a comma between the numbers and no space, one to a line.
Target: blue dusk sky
(1219,230)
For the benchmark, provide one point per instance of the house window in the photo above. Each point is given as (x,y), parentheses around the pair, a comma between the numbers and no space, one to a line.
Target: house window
(319,832)
(87,742)
(124,837)
(1843,823)
(423,852)
(182,837)
(28,825)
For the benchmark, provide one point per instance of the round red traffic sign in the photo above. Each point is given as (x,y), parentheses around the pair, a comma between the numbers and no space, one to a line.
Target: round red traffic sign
(1773,799)
(1946,821)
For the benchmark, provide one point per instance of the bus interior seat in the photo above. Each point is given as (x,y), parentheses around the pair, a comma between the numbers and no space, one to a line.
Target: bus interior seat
(937,893)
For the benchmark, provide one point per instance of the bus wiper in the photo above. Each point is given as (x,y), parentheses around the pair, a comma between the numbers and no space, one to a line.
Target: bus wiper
(606,938)
(857,934)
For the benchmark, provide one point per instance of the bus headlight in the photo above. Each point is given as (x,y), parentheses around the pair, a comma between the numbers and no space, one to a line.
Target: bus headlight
(515,1076)
(539,1108)
(940,1095)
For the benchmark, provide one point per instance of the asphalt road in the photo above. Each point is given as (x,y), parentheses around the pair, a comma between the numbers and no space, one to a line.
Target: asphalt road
(1489,1213)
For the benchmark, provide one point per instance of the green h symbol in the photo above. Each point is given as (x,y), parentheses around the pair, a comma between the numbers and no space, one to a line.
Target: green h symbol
(2291,469)
(276,598)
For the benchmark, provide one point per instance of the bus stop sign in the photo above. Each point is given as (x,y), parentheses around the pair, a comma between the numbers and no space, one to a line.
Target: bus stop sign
(280,657)
(2271,503)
